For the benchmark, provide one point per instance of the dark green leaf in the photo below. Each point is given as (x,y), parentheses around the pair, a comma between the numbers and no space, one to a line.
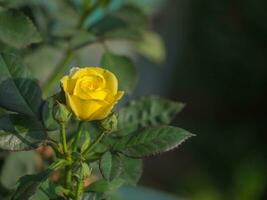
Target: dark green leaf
(150,141)
(20,132)
(29,184)
(47,114)
(16,165)
(145,112)
(128,22)
(105,186)
(131,170)
(123,67)
(18,91)
(46,191)
(110,166)
(16,29)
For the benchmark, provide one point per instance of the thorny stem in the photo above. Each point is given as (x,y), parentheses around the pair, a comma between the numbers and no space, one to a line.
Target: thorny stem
(68,177)
(68,174)
(79,188)
(63,138)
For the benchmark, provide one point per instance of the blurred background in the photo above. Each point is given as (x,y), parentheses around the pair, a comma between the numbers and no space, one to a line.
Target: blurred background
(216,63)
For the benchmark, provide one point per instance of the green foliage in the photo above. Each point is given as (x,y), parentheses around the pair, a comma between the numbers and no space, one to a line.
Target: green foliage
(47,114)
(123,67)
(19,92)
(151,141)
(145,112)
(128,22)
(17,29)
(110,166)
(103,186)
(131,170)
(46,191)
(20,132)
(29,184)
(151,47)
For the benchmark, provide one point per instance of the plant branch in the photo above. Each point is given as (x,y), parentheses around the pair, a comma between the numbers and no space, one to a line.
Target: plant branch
(63,138)
(78,191)
(94,143)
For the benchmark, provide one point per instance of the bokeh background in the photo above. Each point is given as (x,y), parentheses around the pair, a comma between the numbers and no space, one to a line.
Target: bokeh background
(216,63)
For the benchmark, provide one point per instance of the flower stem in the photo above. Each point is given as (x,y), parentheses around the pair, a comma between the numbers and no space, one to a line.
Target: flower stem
(77,136)
(68,175)
(94,143)
(68,178)
(63,138)
(79,188)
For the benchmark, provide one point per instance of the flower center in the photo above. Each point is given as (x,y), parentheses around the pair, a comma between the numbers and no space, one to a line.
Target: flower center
(92,83)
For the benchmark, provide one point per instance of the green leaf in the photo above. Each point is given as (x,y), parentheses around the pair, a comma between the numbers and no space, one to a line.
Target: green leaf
(131,170)
(46,191)
(145,112)
(128,22)
(18,91)
(150,141)
(16,165)
(66,18)
(110,166)
(104,186)
(29,184)
(123,67)
(17,30)
(47,114)
(85,140)
(151,47)
(20,132)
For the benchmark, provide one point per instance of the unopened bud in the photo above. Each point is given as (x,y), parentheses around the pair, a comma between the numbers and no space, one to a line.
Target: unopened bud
(109,124)
(61,112)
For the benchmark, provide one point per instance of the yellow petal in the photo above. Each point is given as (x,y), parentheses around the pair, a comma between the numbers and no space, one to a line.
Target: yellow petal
(119,95)
(87,71)
(64,83)
(105,110)
(82,88)
(83,109)
(111,82)
(109,77)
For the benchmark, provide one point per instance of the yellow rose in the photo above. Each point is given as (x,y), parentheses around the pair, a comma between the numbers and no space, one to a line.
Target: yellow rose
(91,92)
